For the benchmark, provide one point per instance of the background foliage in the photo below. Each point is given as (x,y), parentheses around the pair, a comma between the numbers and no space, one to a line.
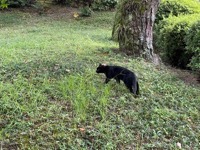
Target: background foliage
(104,4)
(94,4)
(176,7)
(3,4)
(16,3)
(177,32)
(172,34)
(193,45)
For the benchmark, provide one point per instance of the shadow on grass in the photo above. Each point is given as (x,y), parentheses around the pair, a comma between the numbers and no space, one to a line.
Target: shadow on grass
(40,68)
(10,19)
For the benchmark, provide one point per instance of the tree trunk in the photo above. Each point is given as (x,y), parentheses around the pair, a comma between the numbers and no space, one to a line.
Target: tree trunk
(134,26)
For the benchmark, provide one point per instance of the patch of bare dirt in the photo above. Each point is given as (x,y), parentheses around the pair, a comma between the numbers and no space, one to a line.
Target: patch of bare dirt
(54,11)
(187,76)
(60,11)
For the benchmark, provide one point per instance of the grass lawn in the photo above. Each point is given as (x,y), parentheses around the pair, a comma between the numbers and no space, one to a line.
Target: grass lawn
(51,97)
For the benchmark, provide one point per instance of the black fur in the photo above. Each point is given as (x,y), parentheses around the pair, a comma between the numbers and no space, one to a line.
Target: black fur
(120,73)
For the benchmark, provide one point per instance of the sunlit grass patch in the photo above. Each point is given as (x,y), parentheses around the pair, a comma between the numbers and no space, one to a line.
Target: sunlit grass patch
(84,94)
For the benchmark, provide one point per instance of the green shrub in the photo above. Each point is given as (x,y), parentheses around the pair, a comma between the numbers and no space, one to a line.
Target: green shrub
(177,7)
(20,3)
(94,4)
(63,2)
(3,4)
(77,3)
(85,11)
(104,4)
(193,45)
(171,36)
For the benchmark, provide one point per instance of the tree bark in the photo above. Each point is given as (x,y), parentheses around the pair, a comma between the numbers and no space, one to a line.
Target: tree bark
(134,26)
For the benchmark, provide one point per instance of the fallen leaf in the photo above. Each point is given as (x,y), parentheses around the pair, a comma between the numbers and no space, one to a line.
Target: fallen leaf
(82,129)
(179,145)
(76,15)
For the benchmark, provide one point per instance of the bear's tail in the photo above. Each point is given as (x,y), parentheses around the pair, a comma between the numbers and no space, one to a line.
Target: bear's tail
(137,91)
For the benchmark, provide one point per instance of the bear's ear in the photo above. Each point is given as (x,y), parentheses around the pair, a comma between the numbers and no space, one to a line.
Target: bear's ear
(103,65)
(100,65)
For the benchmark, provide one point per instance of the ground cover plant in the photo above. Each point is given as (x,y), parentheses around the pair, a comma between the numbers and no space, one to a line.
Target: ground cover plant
(51,97)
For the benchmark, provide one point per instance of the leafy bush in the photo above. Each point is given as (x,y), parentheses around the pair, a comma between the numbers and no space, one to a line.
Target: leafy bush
(62,1)
(177,7)
(171,39)
(85,11)
(19,3)
(3,4)
(104,4)
(77,3)
(94,4)
(193,45)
